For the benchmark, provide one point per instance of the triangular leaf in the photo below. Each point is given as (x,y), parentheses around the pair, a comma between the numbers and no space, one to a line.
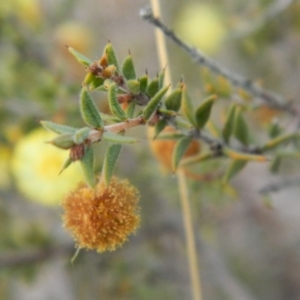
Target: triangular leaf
(89,111)
(233,169)
(133,86)
(128,68)
(66,164)
(187,106)
(87,164)
(159,127)
(114,104)
(152,88)
(111,56)
(143,83)
(111,157)
(153,103)
(161,78)
(63,141)
(173,101)
(81,135)
(203,111)
(229,123)
(179,150)
(240,129)
(80,57)
(57,128)
(130,110)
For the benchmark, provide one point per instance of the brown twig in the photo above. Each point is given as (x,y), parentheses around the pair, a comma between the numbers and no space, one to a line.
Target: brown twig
(270,98)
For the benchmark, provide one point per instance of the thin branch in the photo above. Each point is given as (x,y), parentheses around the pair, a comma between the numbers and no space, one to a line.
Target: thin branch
(269,97)
(277,187)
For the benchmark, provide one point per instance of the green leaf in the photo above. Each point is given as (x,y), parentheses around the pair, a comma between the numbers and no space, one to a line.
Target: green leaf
(143,83)
(96,83)
(87,165)
(133,86)
(240,129)
(128,68)
(274,129)
(159,127)
(229,124)
(89,111)
(118,138)
(114,104)
(173,101)
(204,110)
(153,103)
(152,88)
(66,164)
(130,110)
(111,56)
(233,169)
(187,106)
(80,57)
(63,141)
(81,135)
(161,78)
(57,128)
(111,157)
(179,150)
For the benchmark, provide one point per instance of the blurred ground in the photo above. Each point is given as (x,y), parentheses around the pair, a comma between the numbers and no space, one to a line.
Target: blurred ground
(247,250)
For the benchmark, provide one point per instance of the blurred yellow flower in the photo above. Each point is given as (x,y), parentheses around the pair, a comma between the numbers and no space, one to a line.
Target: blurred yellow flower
(201,25)
(36,166)
(5,154)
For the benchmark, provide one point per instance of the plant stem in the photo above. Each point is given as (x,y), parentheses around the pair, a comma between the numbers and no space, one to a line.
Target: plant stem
(183,190)
(189,234)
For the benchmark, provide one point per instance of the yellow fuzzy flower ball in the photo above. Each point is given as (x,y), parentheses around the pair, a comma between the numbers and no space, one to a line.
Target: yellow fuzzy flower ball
(102,218)
(36,166)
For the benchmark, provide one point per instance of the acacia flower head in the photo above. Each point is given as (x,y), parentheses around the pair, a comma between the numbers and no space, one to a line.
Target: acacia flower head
(102,218)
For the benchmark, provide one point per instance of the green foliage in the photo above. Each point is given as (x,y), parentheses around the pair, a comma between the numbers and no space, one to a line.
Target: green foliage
(87,165)
(89,111)
(187,107)
(126,92)
(234,168)
(111,56)
(110,160)
(143,83)
(63,141)
(173,100)
(57,128)
(113,102)
(152,87)
(152,105)
(117,138)
(240,128)
(80,57)
(229,124)
(128,68)
(203,111)
(179,150)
